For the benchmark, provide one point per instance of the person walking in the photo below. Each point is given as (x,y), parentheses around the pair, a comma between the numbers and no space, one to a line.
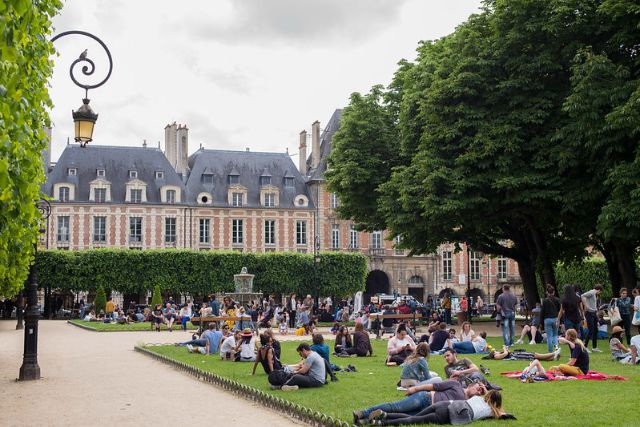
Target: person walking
(549,315)
(590,301)
(446,305)
(624,306)
(506,306)
(293,307)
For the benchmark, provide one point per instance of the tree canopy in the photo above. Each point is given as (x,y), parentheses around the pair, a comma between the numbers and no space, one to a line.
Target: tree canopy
(511,134)
(24,70)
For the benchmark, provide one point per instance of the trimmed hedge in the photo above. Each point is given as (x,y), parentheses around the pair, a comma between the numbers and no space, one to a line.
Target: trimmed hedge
(187,271)
(586,274)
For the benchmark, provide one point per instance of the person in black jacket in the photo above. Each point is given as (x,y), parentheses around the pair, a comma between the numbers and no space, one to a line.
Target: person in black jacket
(549,316)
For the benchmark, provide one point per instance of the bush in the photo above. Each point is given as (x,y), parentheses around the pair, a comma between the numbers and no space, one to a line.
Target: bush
(201,272)
(100,302)
(585,274)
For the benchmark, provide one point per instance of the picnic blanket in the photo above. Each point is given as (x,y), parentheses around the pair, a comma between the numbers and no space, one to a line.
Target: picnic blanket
(591,375)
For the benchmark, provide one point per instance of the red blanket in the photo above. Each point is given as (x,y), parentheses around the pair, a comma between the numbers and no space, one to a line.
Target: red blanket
(591,375)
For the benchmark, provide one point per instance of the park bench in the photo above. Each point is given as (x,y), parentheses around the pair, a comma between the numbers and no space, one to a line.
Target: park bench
(396,316)
(203,322)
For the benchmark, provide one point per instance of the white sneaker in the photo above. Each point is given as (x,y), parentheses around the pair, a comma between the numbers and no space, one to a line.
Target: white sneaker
(400,388)
(189,348)
(588,351)
(289,387)
(596,350)
(519,342)
(556,355)
(531,342)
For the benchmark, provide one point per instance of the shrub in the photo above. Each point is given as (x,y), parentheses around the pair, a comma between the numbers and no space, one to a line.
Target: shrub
(157,296)
(100,302)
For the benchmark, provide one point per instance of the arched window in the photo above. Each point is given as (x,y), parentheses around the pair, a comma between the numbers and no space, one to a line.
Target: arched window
(416,280)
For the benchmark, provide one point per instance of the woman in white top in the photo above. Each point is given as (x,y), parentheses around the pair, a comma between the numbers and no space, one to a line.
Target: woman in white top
(467,333)
(399,347)
(185,315)
(245,348)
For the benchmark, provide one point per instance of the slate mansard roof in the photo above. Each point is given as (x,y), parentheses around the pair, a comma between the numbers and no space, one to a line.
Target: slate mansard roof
(326,138)
(117,162)
(249,166)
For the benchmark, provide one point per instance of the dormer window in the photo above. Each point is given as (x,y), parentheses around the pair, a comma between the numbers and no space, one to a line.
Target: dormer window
(289,182)
(63,194)
(133,174)
(171,196)
(159,175)
(233,179)
(270,200)
(237,199)
(207,178)
(100,173)
(100,195)
(136,195)
(265,180)
(72,171)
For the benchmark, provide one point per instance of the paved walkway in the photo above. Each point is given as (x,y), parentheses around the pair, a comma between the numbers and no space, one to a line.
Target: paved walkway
(91,377)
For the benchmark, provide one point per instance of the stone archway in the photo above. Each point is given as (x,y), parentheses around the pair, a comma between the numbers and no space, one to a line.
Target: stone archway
(451,292)
(377,283)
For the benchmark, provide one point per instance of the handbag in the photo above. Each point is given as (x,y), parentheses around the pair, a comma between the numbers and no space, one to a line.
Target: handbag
(636,318)
(614,312)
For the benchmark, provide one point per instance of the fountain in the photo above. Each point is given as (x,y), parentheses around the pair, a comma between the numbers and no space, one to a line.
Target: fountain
(244,288)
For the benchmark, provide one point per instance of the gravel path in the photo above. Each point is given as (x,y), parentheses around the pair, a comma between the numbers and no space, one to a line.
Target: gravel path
(91,378)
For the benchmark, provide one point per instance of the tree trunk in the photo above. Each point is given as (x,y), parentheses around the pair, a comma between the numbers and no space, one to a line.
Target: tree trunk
(626,266)
(542,254)
(528,276)
(615,277)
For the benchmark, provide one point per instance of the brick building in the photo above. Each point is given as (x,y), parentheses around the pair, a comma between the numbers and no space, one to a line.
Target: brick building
(142,198)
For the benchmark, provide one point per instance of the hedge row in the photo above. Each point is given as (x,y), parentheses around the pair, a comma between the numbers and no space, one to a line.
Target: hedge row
(188,271)
(586,274)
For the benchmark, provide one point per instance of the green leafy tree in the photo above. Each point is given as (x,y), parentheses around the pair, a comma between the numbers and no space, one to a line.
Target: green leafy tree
(100,302)
(24,100)
(157,296)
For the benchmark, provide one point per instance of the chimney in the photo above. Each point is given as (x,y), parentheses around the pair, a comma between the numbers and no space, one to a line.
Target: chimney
(144,143)
(315,144)
(182,153)
(302,153)
(170,144)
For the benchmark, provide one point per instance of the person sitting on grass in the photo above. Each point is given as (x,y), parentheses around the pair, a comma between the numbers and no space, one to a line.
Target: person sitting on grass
(415,368)
(121,318)
(421,397)
(208,343)
(245,348)
(467,333)
(529,331)
(323,350)
(157,317)
(603,326)
(90,317)
(228,347)
(438,338)
(335,328)
(361,343)
(452,336)
(266,356)
(169,316)
(577,365)
(635,350)
(455,412)
(478,344)
(274,342)
(618,350)
(343,341)
(399,347)
(310,373)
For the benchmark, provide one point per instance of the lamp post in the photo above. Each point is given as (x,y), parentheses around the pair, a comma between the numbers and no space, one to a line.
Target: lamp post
(316,265)
(30,369)
(468,282)
(84,119)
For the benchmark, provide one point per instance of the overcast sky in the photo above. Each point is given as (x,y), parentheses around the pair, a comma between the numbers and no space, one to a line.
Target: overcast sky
(242,73)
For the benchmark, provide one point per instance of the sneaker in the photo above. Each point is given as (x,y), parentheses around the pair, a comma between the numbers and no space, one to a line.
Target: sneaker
(484,370)
(357,416)
(588,351)
(376,415)
(556,355)
(190,348)
(531,342)
(519,342)
(596,350)
(400,388)
(289,387)
(274,387)
(352,368)
(392,364)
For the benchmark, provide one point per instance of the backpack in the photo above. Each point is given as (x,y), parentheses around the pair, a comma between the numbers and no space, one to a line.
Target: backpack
(278,377)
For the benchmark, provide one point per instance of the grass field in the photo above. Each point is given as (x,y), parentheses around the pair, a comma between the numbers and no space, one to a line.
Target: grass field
(115,327)
(568,403)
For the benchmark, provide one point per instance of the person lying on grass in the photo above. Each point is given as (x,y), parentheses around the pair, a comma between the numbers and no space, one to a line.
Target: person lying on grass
(464,370)
(577,365)
(454,412)
(477,344)
(522,355)
(422,396)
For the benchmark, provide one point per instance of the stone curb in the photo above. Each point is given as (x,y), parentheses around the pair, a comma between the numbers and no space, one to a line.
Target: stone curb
(294,410)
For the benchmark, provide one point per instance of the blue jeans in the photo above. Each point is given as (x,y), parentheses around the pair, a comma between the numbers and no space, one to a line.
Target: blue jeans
(568,324)
(197,343)
(552,332)
(508,327)
(409,405)
(185,319)
(464,347)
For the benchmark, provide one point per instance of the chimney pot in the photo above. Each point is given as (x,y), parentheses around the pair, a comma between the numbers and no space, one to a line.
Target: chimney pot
(315,144)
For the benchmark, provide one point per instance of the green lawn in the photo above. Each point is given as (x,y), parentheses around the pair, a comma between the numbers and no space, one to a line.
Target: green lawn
(115,327)
(568,403)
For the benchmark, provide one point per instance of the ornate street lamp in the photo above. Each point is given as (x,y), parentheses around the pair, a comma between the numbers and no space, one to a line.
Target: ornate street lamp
(85,118)
(316,266)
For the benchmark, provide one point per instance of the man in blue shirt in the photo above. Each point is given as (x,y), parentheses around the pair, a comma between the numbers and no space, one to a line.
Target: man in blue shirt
(208,343)
(215,306)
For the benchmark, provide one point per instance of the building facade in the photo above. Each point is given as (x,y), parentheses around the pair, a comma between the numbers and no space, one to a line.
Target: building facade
(144,198)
